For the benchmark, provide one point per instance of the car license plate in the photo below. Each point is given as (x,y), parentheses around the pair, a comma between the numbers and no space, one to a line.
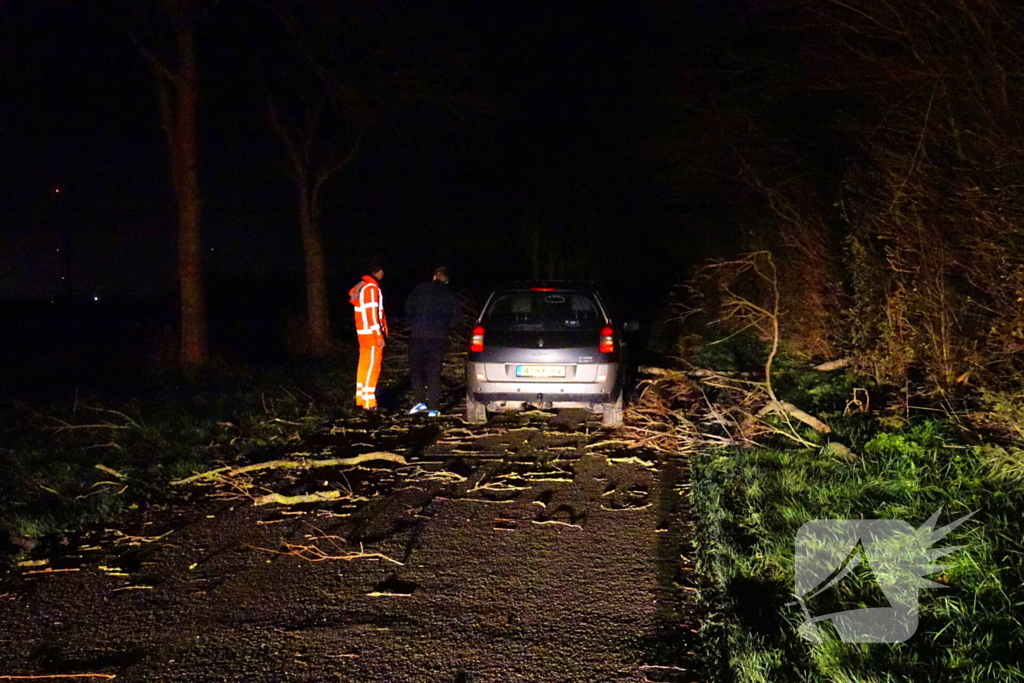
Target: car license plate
(540,371)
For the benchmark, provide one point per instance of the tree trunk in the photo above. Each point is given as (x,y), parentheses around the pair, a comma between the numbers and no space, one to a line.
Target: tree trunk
(317,310)
(184,152)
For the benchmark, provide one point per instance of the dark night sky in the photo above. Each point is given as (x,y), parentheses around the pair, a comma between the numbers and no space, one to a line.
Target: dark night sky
(549,113)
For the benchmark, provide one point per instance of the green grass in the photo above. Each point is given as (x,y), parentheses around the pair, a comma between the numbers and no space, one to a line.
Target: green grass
(162,429)
(749,504)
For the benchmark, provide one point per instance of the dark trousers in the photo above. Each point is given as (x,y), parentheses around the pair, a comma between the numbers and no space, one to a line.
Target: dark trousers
(426,356)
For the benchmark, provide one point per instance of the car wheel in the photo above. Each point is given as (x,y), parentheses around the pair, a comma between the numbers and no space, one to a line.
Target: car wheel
(476,412)
(611,414)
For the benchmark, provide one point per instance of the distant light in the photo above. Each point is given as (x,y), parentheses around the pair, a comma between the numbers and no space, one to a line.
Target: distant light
(57,190)
(212,249)
(62,277)
(95,298)
(58,250)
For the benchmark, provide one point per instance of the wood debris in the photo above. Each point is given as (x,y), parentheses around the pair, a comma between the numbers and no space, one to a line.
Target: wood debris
(56,676)
(113,472)
(556,522)
(315,497)
(287,463)
(137,540)
(632,460)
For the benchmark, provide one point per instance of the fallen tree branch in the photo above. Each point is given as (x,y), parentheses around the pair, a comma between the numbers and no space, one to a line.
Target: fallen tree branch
(476,500)
(136,540)
(314,553)
(556,523)
(837,364)
(784,408)
(652,371)
(631,460)
(53,676)
(497,488)
(108,470)
(315,497)
(305,464)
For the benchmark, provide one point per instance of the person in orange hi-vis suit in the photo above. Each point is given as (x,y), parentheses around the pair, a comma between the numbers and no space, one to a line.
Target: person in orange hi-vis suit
(371,330)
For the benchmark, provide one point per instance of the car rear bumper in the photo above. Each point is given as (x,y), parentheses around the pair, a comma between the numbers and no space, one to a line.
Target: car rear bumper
(536,398)
(557,394)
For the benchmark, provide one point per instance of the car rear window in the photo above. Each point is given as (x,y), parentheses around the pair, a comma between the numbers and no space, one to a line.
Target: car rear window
(543,310)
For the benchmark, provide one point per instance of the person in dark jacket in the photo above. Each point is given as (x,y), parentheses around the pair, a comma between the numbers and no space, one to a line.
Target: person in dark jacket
(432,309)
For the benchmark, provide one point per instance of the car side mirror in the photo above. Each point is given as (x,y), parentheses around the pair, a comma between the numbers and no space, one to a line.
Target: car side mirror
(631,326)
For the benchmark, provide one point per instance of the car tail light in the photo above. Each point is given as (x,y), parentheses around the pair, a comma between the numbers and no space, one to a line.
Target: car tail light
(476,344)
(543,289)
(607,344)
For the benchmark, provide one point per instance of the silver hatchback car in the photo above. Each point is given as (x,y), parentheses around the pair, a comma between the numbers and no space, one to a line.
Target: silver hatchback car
(548,345)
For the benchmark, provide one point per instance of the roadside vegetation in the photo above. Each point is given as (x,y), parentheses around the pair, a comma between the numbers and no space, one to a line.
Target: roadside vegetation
(751,501)
(777,439)
(876,453)
(874,163)
(74,463)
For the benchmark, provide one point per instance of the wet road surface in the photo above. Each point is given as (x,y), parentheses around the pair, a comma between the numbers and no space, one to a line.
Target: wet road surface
(538,549)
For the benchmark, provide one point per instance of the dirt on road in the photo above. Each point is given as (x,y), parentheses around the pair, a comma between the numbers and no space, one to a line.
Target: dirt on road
(535,548)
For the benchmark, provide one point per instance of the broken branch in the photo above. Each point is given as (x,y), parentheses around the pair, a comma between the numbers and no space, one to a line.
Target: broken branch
(306,464)
(32,678)
(315,497)
(784,408)
(837,364)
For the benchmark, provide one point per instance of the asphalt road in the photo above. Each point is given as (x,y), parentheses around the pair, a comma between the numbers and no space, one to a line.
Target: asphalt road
(536,550)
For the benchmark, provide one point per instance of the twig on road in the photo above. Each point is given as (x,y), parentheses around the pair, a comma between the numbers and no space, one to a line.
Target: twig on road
(284,463)
(137,540)
(497,488)
(52,676)
(314,497)
(476,500)
(324,547)
(631,460)
(559,523)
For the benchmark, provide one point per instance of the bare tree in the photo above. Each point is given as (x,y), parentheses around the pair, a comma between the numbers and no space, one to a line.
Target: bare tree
(343,77)
(933,201)
(164,32)
(314,156)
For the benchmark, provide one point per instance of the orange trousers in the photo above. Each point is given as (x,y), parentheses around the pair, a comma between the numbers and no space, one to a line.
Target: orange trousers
(366,375)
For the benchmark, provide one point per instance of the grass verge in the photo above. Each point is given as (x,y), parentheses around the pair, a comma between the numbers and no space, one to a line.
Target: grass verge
(70,464)
(750,503)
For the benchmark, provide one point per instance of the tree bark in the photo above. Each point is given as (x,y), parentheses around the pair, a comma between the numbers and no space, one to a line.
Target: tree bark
(317,309)
(178,92)
(310,176)
(184,152)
